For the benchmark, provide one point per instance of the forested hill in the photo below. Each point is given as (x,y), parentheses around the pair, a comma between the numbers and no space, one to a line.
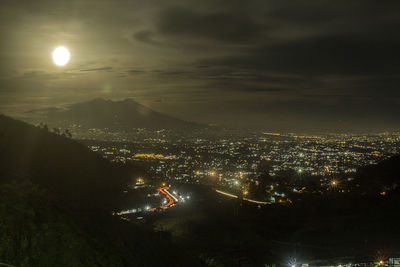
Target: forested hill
(65,168)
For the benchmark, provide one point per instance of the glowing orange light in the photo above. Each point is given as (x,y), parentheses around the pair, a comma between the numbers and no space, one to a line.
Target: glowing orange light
(171,201)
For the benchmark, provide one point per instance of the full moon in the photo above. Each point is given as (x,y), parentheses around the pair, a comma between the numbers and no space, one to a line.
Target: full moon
(61,56)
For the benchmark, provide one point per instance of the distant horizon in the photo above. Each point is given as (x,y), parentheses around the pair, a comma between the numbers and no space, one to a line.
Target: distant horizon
(27,116)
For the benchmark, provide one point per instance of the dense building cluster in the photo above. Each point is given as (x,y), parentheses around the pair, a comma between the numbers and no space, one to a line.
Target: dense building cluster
(232,160)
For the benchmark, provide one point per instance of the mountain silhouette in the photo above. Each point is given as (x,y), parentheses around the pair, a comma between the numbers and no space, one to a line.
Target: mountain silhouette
(114,115)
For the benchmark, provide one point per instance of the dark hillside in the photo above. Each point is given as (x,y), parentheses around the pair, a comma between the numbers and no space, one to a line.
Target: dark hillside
(382,176)
(56,199)
(64,167)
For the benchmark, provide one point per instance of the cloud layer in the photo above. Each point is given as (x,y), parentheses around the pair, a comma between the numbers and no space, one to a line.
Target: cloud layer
(317,65)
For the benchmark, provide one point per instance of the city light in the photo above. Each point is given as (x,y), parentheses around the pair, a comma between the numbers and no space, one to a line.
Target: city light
(334,148)
(292,263)
(154,156)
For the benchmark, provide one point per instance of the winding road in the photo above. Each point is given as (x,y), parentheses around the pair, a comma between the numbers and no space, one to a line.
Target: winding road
(172,200)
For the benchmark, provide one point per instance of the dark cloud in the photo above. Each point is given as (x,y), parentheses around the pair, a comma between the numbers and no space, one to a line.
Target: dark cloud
(225,27)
(146,37)
(135,72)
(99,69)
(175,73)
(339,54)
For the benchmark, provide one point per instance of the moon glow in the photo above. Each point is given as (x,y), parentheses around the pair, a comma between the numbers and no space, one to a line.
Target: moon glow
(61,56)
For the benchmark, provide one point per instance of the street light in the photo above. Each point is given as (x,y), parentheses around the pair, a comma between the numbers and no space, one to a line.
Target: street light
(292,263)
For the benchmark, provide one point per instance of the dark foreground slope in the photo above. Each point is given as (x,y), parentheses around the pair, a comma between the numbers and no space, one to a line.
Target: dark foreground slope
(381,177)
(58,164)
(56,200)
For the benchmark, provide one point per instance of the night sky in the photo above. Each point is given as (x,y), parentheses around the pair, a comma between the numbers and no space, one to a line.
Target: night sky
(282,65)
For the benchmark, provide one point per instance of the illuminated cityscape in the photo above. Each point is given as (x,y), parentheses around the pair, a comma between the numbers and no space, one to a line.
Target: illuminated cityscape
(200,133)
(236,162)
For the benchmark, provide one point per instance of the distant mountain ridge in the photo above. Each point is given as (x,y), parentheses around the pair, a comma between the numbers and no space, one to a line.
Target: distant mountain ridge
(114,115)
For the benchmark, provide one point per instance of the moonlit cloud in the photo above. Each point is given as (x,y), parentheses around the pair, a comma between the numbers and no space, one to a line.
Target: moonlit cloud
(317,65)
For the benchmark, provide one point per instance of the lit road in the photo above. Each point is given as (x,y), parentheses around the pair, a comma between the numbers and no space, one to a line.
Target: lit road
(172,200)
(245,199)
